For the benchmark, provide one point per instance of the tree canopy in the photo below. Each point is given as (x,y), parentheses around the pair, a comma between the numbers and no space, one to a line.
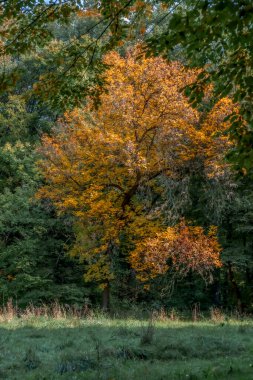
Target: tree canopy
(215,35)
(106,165)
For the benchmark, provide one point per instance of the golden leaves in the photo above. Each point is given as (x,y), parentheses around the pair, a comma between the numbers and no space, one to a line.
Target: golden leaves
(97,160)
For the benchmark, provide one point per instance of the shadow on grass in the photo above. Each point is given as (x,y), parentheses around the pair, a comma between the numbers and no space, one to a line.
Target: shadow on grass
(118,350)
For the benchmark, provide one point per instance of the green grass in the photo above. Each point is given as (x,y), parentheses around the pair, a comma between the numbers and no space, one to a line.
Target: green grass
(103,348)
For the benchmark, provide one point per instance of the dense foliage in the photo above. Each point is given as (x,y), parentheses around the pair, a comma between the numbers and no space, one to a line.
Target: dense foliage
(213,34)
(114,164)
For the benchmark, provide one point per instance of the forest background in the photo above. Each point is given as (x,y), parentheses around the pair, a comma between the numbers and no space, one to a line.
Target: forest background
(84,196)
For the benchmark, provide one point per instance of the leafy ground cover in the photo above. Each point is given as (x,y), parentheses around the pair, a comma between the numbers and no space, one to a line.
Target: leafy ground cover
(99,347)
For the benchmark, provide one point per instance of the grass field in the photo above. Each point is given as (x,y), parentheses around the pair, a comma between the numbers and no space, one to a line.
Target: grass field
(106,348)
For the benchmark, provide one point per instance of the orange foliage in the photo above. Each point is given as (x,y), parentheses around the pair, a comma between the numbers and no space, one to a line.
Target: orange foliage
(97,160)
(211,143)
(91,12)
(184,248)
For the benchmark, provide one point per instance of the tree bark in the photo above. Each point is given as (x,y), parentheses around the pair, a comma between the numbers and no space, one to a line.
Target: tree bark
(235,288)
(106,297)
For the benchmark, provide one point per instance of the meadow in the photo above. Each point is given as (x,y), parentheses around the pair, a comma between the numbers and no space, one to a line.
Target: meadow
(42,345)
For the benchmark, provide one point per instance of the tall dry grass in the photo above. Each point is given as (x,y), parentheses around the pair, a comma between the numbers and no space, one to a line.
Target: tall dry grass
(57,311)
(54,310)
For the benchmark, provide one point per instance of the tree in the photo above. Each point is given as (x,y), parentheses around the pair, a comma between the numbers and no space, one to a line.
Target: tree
(103,165)
(217,36)
(61,40)
(33,262)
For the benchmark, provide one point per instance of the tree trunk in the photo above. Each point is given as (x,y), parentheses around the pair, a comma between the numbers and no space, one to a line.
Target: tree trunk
(106,297)
(216,291)
(235,288)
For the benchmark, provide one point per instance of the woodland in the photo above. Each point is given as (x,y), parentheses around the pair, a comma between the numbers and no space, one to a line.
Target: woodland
(126,132)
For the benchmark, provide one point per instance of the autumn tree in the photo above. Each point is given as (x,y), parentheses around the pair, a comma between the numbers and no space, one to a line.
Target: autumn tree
(104,165)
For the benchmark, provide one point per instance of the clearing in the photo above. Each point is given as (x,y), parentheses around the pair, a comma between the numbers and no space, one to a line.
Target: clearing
(114,349)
